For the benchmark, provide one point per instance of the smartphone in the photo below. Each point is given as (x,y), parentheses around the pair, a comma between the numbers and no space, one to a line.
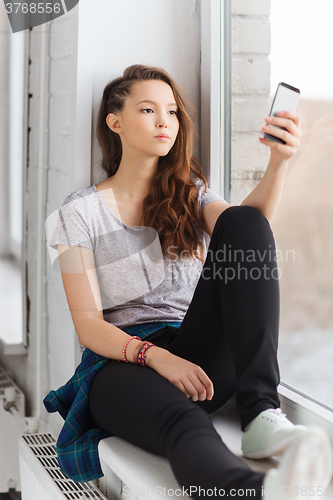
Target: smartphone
(286,99)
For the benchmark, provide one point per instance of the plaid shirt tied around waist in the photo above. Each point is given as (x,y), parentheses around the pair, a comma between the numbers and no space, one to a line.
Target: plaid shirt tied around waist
(77,444)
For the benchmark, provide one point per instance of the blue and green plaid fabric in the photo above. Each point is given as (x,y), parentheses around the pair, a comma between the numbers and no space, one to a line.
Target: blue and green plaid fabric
(146,329)
(77,444)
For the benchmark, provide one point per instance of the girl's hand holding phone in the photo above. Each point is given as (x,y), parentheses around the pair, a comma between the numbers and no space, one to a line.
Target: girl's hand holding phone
(291,122)
(282,132)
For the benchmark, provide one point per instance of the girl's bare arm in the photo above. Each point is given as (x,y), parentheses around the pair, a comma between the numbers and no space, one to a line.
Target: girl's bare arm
(83,296)
(267,194)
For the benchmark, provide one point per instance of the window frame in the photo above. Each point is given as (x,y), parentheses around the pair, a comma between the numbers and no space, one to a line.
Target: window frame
(211,86)
(20,348)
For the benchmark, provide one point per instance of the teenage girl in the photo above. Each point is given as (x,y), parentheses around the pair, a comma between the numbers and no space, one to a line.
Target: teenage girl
(150,253)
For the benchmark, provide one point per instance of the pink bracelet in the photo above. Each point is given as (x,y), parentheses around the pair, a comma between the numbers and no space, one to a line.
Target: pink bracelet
(142,353)
(125,347)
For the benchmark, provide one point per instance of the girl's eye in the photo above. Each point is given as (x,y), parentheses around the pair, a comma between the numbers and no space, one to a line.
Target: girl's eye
(149,109)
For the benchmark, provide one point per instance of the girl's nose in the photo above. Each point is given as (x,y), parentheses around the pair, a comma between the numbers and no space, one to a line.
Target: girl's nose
(162,121)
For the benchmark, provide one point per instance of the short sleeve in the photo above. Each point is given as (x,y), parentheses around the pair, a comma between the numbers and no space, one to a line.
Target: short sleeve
(206,197)
(71,224)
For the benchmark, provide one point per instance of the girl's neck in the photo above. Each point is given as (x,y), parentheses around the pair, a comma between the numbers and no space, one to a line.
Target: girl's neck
(132,179)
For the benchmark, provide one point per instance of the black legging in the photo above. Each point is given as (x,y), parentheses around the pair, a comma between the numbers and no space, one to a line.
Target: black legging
(231,331)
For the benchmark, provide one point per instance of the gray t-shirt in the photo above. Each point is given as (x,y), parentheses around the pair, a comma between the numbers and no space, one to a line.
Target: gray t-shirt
(137,283)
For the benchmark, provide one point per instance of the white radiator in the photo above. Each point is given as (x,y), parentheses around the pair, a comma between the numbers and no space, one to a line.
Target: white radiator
(11,426)
(41,476)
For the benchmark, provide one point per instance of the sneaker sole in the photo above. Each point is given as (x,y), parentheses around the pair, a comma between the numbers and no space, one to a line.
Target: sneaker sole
(276,449)
(309,464)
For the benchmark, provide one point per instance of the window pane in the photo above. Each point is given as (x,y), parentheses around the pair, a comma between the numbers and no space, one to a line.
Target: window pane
(11,268)
(302,36)
(16,123)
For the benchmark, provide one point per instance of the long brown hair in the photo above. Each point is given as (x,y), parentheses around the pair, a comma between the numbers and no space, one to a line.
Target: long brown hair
(172,206)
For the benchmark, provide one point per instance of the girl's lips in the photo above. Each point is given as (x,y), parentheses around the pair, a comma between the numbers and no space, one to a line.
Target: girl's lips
(162,138)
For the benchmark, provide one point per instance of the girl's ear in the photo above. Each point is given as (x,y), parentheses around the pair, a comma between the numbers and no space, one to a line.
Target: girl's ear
(113,122)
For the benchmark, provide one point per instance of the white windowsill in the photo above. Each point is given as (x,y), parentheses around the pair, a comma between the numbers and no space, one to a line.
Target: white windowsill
(11,314)
(143,472)
(13,349)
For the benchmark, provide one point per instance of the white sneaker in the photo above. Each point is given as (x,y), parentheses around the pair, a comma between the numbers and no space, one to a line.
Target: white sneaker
(304,471)
(270,434)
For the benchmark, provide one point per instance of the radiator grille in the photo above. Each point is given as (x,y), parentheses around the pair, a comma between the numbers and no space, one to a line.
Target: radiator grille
(38,439)
(43,447)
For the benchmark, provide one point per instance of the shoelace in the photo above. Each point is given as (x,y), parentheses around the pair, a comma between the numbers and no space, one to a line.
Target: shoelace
(277,414)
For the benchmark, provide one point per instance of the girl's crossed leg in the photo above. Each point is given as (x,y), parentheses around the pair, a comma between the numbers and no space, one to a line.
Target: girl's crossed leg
(231,327)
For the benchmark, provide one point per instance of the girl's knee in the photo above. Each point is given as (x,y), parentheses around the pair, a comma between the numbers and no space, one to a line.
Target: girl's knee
(243,219)
(242,213)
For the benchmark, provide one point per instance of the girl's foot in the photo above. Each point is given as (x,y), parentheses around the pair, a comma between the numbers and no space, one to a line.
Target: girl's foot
(304,471)
(269,434)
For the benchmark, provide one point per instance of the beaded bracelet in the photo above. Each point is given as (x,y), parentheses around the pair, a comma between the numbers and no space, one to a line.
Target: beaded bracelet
(125,347)
(142,353)
(136,351)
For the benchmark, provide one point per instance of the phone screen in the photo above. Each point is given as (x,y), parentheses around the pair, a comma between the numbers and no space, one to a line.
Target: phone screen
(286,99)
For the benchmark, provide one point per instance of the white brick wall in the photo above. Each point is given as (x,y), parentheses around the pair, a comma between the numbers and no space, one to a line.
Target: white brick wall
(62,99)
(250,83)
(58,143)
(252,8)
